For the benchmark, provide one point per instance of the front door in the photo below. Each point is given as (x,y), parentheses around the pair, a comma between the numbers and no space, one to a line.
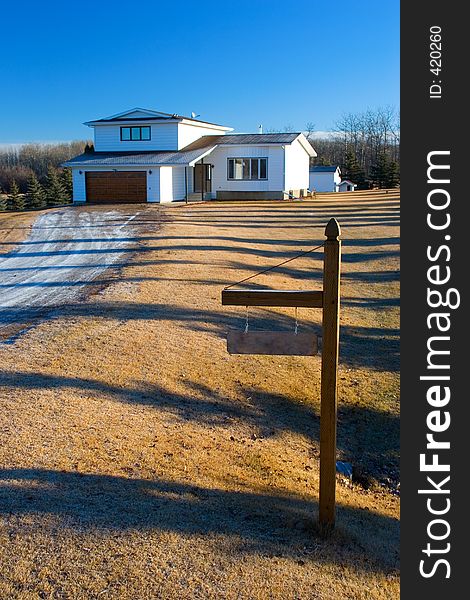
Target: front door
(202,178)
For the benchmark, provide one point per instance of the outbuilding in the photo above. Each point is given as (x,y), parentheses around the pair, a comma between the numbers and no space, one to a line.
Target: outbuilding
(324,178)
(346,186)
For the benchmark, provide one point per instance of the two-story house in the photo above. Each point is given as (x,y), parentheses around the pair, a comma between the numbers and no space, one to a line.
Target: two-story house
(143,155)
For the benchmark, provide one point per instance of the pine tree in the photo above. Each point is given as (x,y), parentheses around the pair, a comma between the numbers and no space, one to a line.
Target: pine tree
(15,199)
(89,148)
(379,171)
(393,175)
(54,190)
(354,172)
(35,195)
(3,202)
(322,162)
(66,178)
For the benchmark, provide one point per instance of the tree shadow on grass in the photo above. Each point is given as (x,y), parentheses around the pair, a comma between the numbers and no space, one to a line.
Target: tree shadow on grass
(366,436)
(372,347)
(254,521)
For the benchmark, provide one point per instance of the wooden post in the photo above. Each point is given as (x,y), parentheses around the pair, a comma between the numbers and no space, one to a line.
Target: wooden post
(329,371)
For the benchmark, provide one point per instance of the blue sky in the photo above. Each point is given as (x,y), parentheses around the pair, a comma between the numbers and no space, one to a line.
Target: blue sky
(236,62)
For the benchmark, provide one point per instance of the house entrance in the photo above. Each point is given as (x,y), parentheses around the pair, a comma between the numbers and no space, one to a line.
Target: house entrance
(202,178)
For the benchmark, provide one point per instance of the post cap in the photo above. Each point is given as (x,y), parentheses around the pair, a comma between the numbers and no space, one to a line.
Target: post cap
(332,230)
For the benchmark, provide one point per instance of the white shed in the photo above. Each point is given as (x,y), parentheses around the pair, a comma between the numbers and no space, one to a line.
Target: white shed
(347,186)
(324,178)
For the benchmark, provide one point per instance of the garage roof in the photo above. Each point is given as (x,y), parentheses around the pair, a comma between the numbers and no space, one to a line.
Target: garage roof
(138,159)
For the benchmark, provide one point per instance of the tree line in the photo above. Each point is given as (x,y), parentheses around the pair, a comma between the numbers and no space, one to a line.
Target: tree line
(31,176)
(55,191)
(366,146)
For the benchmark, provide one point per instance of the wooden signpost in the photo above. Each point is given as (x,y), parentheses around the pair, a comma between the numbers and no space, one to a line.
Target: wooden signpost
(268,342)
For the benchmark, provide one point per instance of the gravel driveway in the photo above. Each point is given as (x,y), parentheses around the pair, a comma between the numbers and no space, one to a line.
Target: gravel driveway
(65,251)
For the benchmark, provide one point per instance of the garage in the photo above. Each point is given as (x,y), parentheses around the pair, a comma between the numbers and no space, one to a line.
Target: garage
(116,186)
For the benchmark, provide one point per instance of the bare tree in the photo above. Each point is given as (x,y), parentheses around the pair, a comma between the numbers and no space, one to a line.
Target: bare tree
(367,136)
(310,128)
(20,163)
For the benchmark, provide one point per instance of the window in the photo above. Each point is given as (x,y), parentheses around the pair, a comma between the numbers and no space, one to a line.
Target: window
(247,168)
(135,134)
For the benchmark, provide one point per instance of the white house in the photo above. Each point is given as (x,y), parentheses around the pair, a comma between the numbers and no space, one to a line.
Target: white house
(144,155)
(324,179)
(346,186)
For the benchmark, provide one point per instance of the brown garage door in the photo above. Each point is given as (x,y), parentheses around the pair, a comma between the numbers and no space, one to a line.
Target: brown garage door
(119,186)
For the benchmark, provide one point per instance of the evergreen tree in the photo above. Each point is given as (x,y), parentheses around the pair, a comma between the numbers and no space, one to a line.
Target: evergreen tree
(15,199)
(321,161)
(393,175)
(354,172)
(55,190)
(89,148)
(66,178)
(3,202)
(379,171)
(35,195)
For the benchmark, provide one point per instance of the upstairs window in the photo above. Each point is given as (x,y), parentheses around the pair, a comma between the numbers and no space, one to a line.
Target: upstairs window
(247,168)
(135,134)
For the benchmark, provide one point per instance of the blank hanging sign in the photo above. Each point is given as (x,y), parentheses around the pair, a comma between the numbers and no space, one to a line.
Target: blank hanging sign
(285,343)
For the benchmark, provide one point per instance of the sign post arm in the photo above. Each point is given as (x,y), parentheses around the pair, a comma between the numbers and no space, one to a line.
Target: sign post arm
(329,373)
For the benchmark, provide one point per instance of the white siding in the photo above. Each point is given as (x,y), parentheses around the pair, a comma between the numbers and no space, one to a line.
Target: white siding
(296,167)
(166,184)
(343,187)
(189,133)
(164,137)
(79,191)
(324,182)
(220,181)
(153,185)
(179,189)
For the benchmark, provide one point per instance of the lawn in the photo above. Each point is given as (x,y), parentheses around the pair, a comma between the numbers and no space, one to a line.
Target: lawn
(14,227)
(139,460)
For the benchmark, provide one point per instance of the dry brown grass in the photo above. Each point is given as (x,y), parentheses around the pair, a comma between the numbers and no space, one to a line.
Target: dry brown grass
(139,460)
(14,228)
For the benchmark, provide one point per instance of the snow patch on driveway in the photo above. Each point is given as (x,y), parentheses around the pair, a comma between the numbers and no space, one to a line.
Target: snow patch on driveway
(65,252)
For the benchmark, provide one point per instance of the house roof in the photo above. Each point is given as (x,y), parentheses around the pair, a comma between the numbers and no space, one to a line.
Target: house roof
(348,181)
(323,169)
(243,138)
(149,115)
(138,159)
(187,155)
(259,139)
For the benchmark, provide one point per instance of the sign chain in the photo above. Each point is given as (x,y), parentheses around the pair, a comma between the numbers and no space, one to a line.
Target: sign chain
(275,266)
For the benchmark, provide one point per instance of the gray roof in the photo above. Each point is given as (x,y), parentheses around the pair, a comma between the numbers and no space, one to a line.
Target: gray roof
(140,159)
(169,118)
(184,156)
(243,138)
(323,169)
(157,116)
